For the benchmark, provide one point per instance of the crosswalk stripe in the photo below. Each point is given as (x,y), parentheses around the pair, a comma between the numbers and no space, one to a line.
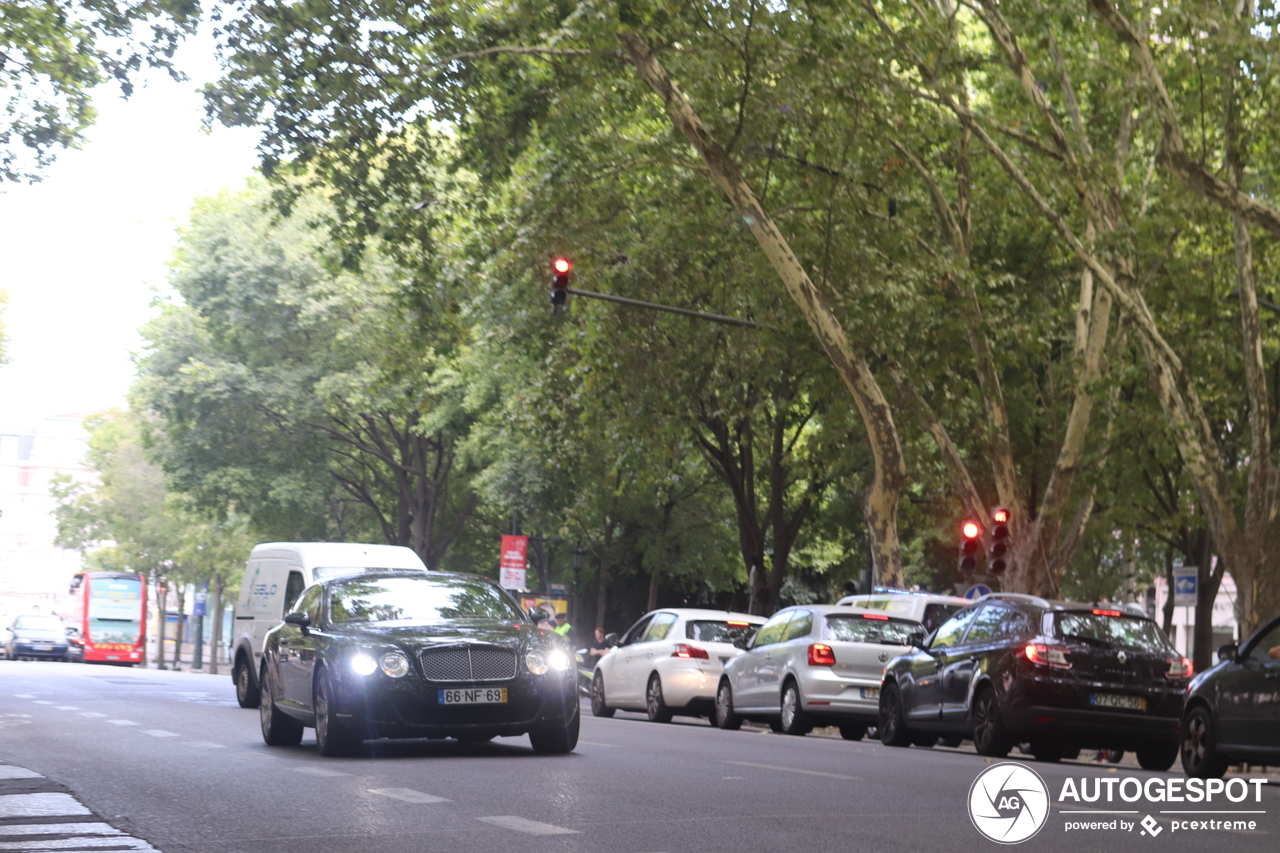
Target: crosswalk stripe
(523,824)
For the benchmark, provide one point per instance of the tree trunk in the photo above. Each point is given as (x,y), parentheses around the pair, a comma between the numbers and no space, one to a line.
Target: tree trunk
(215,631)
(178,632)
(880,504)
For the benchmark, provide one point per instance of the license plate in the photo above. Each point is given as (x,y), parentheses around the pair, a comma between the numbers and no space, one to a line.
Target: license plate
(42,648)
(1111,700)
(871,693)
(480,696)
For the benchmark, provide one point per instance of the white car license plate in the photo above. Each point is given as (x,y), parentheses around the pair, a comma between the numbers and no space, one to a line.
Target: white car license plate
(871,693)
(1111,700)
(42,648)
(479,696)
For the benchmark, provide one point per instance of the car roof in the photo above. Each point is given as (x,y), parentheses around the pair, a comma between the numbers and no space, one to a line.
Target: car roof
(1063,604)
(929,597)
(701,613)
(845,610)
(416,574)
(342,553)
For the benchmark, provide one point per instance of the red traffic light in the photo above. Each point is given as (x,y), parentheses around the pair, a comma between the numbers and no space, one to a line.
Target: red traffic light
(971,530)
(1000,516)
(561,265)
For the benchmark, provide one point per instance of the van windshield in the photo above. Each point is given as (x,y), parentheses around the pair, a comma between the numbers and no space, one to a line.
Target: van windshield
(325,572)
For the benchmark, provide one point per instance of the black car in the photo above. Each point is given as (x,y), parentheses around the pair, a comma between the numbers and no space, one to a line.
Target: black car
(1232,711)
(1058,675)
(408,655)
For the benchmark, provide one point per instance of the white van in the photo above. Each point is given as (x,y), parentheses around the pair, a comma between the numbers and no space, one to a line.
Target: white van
(274,577)
(927,608)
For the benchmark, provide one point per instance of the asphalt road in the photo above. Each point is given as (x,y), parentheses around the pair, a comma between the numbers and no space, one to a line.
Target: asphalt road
(170,760)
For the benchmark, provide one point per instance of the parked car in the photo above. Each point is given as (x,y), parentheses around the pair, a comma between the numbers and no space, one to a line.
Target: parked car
(412,654)
(928,608)
(275,575)
(1058,675)
(1232,713)
(36,637)
(669,663)
(814,665)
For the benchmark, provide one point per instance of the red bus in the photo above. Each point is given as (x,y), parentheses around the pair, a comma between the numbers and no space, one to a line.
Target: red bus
(110,615)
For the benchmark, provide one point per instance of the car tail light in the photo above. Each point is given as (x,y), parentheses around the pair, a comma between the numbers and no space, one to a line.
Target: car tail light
(875,616)
(1180,668)
(738,624)
(820,654)
(1107,613)
(1045,655)
(684,650)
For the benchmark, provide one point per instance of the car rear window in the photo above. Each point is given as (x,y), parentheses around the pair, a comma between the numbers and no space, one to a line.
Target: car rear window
(936,614)
(856,628)
(717,631)
(1117,631)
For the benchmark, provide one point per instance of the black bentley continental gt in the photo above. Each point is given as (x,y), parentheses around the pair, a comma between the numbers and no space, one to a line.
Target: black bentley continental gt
(409,655)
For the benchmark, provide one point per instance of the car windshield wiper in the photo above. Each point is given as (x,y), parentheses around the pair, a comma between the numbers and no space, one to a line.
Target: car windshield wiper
(1093,641)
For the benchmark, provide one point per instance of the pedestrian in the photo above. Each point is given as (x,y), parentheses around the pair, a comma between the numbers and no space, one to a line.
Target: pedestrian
(563,628)
(597,648)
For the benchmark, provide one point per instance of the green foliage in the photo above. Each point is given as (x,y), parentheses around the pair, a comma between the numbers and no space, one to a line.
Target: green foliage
(54,52)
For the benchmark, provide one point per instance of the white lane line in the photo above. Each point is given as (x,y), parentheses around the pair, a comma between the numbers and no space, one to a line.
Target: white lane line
(42,702)
(123,723)
(91,714)
(795,770)
(25,695)
(60,829)
(523,824)
(408,795)
(68,707)
(594,743)
(203,744)
(115,843)
(320,771)
(160,733)
(8,771)
(39,805)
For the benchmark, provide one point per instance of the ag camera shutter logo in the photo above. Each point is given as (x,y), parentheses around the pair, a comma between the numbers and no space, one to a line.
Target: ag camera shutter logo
(1008,803)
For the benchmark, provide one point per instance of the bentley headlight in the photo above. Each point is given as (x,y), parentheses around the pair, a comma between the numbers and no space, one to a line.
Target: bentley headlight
(395,664)
(363,664)
(558,660)
(536,661)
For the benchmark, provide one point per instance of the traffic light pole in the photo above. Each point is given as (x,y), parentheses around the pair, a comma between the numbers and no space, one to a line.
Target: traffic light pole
(671,309)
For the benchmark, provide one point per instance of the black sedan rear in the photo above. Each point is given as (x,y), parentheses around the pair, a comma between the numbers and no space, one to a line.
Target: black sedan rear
(1059,675)
(408,655)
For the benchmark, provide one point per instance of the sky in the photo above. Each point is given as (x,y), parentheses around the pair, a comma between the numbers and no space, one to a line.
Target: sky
(84,252)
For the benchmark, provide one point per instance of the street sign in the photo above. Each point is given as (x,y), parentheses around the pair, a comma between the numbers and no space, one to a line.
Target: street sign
(1186,586)
(976,591)
(514,562)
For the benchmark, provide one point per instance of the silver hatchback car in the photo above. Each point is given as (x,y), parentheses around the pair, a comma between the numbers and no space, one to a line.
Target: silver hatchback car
(814,664)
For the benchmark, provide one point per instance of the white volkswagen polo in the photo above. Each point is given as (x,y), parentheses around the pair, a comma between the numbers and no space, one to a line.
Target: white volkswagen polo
(669,662)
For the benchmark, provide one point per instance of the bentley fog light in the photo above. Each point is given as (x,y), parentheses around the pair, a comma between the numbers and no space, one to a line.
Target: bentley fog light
(362,664)
(395,664)
(536,661)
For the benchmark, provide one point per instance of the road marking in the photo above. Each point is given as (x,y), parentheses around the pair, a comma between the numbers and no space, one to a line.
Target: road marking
(8,771)
(795,770)
(408,795)
(203,744)
(68,707)
(91,714)
(25,695)
(593,743)
(60,829)
(42,702)
(123,723)
(523,824)
(115,843)
(320,771)
(160,733)
(40,805)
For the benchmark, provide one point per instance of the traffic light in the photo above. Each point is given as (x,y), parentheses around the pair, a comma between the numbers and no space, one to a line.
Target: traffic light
(998,553)
(560,268)
(970,533)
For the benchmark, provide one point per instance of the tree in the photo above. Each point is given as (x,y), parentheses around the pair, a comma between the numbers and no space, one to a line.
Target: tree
(54,52)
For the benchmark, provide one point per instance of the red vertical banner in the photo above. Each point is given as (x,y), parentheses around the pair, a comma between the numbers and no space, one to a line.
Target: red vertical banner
(514,562)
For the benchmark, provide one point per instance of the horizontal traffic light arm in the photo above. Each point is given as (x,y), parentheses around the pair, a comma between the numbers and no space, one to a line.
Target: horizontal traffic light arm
(701,315)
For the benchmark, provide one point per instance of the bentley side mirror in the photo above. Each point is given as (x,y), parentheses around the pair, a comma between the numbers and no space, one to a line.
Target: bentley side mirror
(1227,652)
(537,614)
(301,619)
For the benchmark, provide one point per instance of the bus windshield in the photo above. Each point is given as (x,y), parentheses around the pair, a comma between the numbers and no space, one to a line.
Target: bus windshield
(114,610)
